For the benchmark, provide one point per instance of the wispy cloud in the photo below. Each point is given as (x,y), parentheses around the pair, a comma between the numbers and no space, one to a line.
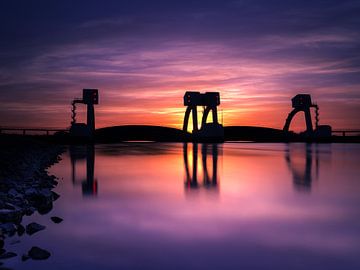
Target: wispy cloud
(258,55)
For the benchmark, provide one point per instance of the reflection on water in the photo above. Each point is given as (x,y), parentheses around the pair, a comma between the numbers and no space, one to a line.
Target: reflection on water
(87,153)
(209,180)
(300,162)
(246,213)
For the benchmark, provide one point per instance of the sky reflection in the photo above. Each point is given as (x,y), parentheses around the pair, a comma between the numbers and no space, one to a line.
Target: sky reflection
(144,214)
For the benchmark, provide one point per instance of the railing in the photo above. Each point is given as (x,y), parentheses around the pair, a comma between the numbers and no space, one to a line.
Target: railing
(344,131)
(25,130)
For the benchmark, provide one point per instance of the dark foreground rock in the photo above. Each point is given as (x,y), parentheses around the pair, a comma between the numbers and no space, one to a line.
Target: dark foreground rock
(7,255)
(25,186)
(33,228)
(37,253)
(56,219)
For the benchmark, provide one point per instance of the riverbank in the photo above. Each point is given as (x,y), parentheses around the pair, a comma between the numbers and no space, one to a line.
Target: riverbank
(25,186)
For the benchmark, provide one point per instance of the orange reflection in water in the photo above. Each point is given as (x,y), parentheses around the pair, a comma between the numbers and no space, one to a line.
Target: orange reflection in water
(244,196)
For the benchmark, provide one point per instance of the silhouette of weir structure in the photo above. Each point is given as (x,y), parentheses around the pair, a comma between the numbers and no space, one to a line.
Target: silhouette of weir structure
(90,98)
(303,103)
(301,166)
(207,131)
(191,174)
(210,101)
(89,185)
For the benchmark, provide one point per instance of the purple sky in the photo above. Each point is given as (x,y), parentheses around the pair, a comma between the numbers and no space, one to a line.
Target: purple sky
(143,56)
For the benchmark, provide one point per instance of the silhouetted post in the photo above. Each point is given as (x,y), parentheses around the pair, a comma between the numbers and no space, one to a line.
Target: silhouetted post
(309,126)
(195,157)
(204,164)
(215,163)
(191,100)
(89,186)
(91,118)
(91,97)
(191,180)
(186,162)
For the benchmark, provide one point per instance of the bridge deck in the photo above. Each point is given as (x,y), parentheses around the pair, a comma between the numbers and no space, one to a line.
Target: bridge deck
(28,129)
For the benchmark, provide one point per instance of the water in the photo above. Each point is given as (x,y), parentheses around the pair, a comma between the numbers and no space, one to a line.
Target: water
(243,206)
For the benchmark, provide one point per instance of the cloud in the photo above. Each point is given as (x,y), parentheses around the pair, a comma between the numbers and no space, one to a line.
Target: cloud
(142,57)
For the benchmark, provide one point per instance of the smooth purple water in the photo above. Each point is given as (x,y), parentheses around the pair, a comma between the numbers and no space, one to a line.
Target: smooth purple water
(270,206)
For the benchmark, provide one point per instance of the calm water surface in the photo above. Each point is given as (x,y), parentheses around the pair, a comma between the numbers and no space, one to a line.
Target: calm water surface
(229,206)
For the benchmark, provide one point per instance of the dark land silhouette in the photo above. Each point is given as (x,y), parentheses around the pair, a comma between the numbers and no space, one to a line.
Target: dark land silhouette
(140,133)
(206,132)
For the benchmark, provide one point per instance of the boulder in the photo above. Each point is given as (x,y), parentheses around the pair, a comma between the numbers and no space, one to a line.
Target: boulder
(20,230)
(10,215)
(33,228)
(37,253)
(55,195)
(7,255)
(8,228)
(56,219)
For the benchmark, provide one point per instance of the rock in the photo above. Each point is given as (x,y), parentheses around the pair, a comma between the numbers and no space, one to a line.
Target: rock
(7,255)
(14,242)
(25,257)
(33,228)
(37,253)
(10,206)
(29,211)
(56,219)
(30,192)
(55,195)
(5,268)
(8,228)
(20,230)
(12,192)
(42,201)
(8,215)
(45,208)
(45,193)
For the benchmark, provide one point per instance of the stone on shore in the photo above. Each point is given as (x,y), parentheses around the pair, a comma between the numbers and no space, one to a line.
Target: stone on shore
(7,255)
(33,228)
(10,215)
(8,228)
(37,253)
(56,219)
(55,195)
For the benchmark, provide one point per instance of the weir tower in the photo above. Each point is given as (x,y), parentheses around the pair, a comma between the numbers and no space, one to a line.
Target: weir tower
(210,101)
(90,98)
(302,102)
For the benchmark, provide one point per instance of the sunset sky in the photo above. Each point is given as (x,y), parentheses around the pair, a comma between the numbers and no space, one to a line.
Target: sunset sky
(143,56)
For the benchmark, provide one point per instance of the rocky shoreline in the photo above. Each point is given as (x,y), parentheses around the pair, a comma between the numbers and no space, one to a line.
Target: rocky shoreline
(25,187)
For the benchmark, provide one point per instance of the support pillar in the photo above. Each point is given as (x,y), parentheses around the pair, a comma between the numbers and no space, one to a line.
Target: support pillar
(91,118)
